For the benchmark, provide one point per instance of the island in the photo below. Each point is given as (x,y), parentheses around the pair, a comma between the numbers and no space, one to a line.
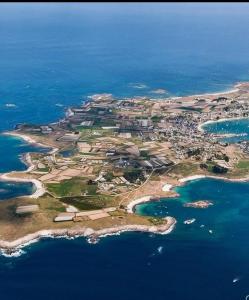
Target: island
(199,204)
(108,155)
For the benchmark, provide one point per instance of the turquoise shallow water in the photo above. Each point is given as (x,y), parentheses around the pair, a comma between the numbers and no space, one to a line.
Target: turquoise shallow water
(240,126)
(53,56)
(190,263)
(11,189)
(230,209)
(11,151)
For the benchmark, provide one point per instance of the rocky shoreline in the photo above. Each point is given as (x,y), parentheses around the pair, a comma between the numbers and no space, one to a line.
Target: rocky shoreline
(130,208)
(9,248)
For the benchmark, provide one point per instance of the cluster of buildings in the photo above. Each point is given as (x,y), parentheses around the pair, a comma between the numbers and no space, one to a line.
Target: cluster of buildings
(118,143)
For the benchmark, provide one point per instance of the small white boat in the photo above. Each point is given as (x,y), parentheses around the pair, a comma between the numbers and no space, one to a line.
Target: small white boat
(235,279)
(190,221)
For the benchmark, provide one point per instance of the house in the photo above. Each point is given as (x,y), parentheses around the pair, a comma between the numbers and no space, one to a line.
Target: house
(62,217)
(23,209)
(46,129)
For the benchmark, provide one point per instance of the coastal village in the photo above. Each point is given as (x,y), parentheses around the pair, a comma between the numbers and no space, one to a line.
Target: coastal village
(107,153)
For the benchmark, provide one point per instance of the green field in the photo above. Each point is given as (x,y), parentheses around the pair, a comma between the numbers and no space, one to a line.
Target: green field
(240,170)
(184,169)
(72,187)
(243,164)
(79,193)
(89,202)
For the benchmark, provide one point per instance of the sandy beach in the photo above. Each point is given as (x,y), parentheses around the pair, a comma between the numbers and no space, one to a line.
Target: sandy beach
(40,190)
(167,187)
(235,89)
(132,204)
(230,179)
(26,159)
(194,177)
(13,248)
(189,178)
(30,140)
(200,126)
(89,232)
(24,137)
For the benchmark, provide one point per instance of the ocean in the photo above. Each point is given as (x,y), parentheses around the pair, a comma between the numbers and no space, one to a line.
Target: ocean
(54,55)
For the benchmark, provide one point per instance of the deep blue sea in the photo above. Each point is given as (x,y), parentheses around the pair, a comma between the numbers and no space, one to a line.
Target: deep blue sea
(55,55)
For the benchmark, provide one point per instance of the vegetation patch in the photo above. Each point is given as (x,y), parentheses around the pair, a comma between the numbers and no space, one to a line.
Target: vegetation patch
(73,187)
(213,168)
(88,202)
(243,164)
(80,193)
(144,154)
(109,176)
(156,221)
(43,169)
(133,174)
(240,170)
(185,169)
(156,118)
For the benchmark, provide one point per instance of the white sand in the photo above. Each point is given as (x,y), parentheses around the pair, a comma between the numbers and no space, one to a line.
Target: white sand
(234,90)
(167,187)
(30,140)
(40,190)
(200,126)
(191,178)
(22,136)
(132,204)
(230,179)
(135,202)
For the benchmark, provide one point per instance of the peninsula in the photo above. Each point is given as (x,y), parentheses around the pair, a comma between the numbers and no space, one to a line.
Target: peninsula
(109,155)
